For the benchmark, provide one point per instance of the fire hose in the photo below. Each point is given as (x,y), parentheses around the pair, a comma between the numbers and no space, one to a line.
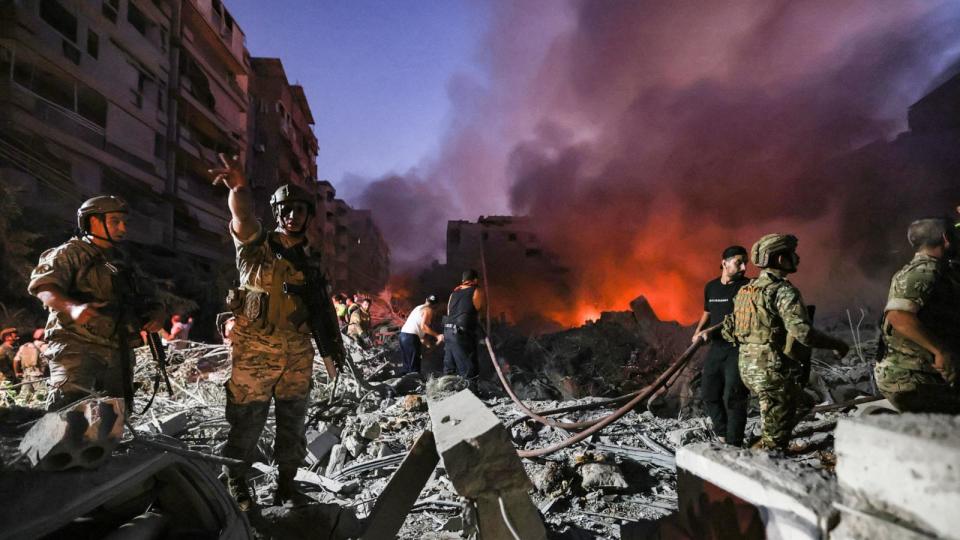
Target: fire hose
(595,425)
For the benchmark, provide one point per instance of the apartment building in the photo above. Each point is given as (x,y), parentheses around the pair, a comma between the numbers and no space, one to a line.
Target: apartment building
(137,98)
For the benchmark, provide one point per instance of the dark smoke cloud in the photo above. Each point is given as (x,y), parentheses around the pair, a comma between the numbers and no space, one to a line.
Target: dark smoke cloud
(643,137)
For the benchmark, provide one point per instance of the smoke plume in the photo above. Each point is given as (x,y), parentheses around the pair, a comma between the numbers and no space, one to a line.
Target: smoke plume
(642,138)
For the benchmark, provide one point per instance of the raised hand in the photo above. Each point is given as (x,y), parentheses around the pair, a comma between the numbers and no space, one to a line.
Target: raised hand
(231,174)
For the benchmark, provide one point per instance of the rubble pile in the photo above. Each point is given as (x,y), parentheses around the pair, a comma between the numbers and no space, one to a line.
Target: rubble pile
(620,352)
(624,475)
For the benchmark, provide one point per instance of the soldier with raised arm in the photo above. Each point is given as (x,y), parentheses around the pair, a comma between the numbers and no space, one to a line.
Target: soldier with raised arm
(276,305)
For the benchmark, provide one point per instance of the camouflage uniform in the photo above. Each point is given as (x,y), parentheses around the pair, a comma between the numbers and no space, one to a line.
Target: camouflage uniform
(772,327)
(271,352)
(87,356)
(7,355)
(31,365)
(930,288)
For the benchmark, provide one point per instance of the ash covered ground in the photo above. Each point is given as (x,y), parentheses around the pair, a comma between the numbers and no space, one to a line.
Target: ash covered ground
(623,476)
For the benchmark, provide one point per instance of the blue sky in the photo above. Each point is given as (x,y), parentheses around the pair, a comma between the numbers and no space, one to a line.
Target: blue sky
(375,72)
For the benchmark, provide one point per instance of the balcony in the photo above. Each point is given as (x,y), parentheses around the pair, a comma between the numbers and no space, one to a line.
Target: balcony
(212,30)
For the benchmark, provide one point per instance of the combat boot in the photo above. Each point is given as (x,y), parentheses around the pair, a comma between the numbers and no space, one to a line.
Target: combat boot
(240,491)
(288,494)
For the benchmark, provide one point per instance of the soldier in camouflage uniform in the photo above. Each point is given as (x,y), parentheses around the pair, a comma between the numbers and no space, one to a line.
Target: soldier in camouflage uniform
(98,303)
(271,344)
(772,327)
(921,329)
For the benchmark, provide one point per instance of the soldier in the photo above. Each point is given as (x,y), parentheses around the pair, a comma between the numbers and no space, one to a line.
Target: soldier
(98,303)
(359,327)
(772,327)
(8,350)
(29,365)
(281,297)
(921,328)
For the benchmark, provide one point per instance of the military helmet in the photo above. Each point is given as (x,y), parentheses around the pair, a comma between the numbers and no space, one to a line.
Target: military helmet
(101,205)
(771,244)
(291,193)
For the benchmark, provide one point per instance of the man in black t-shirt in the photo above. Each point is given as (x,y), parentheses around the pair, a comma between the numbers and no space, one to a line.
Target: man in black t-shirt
(724,395)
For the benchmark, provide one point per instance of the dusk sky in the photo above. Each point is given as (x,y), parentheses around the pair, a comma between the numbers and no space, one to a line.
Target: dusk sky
(375,72)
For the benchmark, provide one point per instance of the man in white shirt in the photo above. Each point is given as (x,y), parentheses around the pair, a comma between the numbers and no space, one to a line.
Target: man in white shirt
(413,332)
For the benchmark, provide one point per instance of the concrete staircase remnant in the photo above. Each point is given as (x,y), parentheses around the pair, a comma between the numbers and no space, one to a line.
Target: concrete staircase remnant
(82,436)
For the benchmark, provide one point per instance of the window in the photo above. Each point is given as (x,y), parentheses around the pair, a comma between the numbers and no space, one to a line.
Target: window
(137,19)
(141,86)
(512,237)
(159,146)
(110,9)
(92,105)
(59,18)
(54,89)
(93,43)
(161,93)
(71,51)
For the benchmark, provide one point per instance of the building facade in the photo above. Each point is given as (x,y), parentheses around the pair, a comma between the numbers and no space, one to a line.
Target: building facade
(137,98)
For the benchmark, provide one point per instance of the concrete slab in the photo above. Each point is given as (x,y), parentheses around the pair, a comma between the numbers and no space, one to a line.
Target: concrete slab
(320,445)
(483,465)
(752,493)
(396,500)
(82,436)
(856,525)
(905,466)
(475,447)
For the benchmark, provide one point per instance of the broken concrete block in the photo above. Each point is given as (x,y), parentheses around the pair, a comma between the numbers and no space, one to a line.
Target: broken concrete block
(905,466)
(497,515)
(312,521)
(354,445)
(602,476)
(856,525)
(483,465)
(338,456)
(320,445)
(547,477)
(174,424)
(475,447)
(82,436)
(750,494)
(329,484)
(370,428)
(401,492)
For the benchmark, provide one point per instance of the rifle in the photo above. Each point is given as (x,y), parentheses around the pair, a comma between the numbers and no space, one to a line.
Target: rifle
(131,311)
(160,358)
(321,319)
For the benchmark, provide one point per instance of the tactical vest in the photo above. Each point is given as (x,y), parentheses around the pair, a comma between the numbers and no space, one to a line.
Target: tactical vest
(281,308)
(462,312)
(755,317)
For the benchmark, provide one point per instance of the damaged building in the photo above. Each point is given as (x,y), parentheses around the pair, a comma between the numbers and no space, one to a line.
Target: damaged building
(137,99)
